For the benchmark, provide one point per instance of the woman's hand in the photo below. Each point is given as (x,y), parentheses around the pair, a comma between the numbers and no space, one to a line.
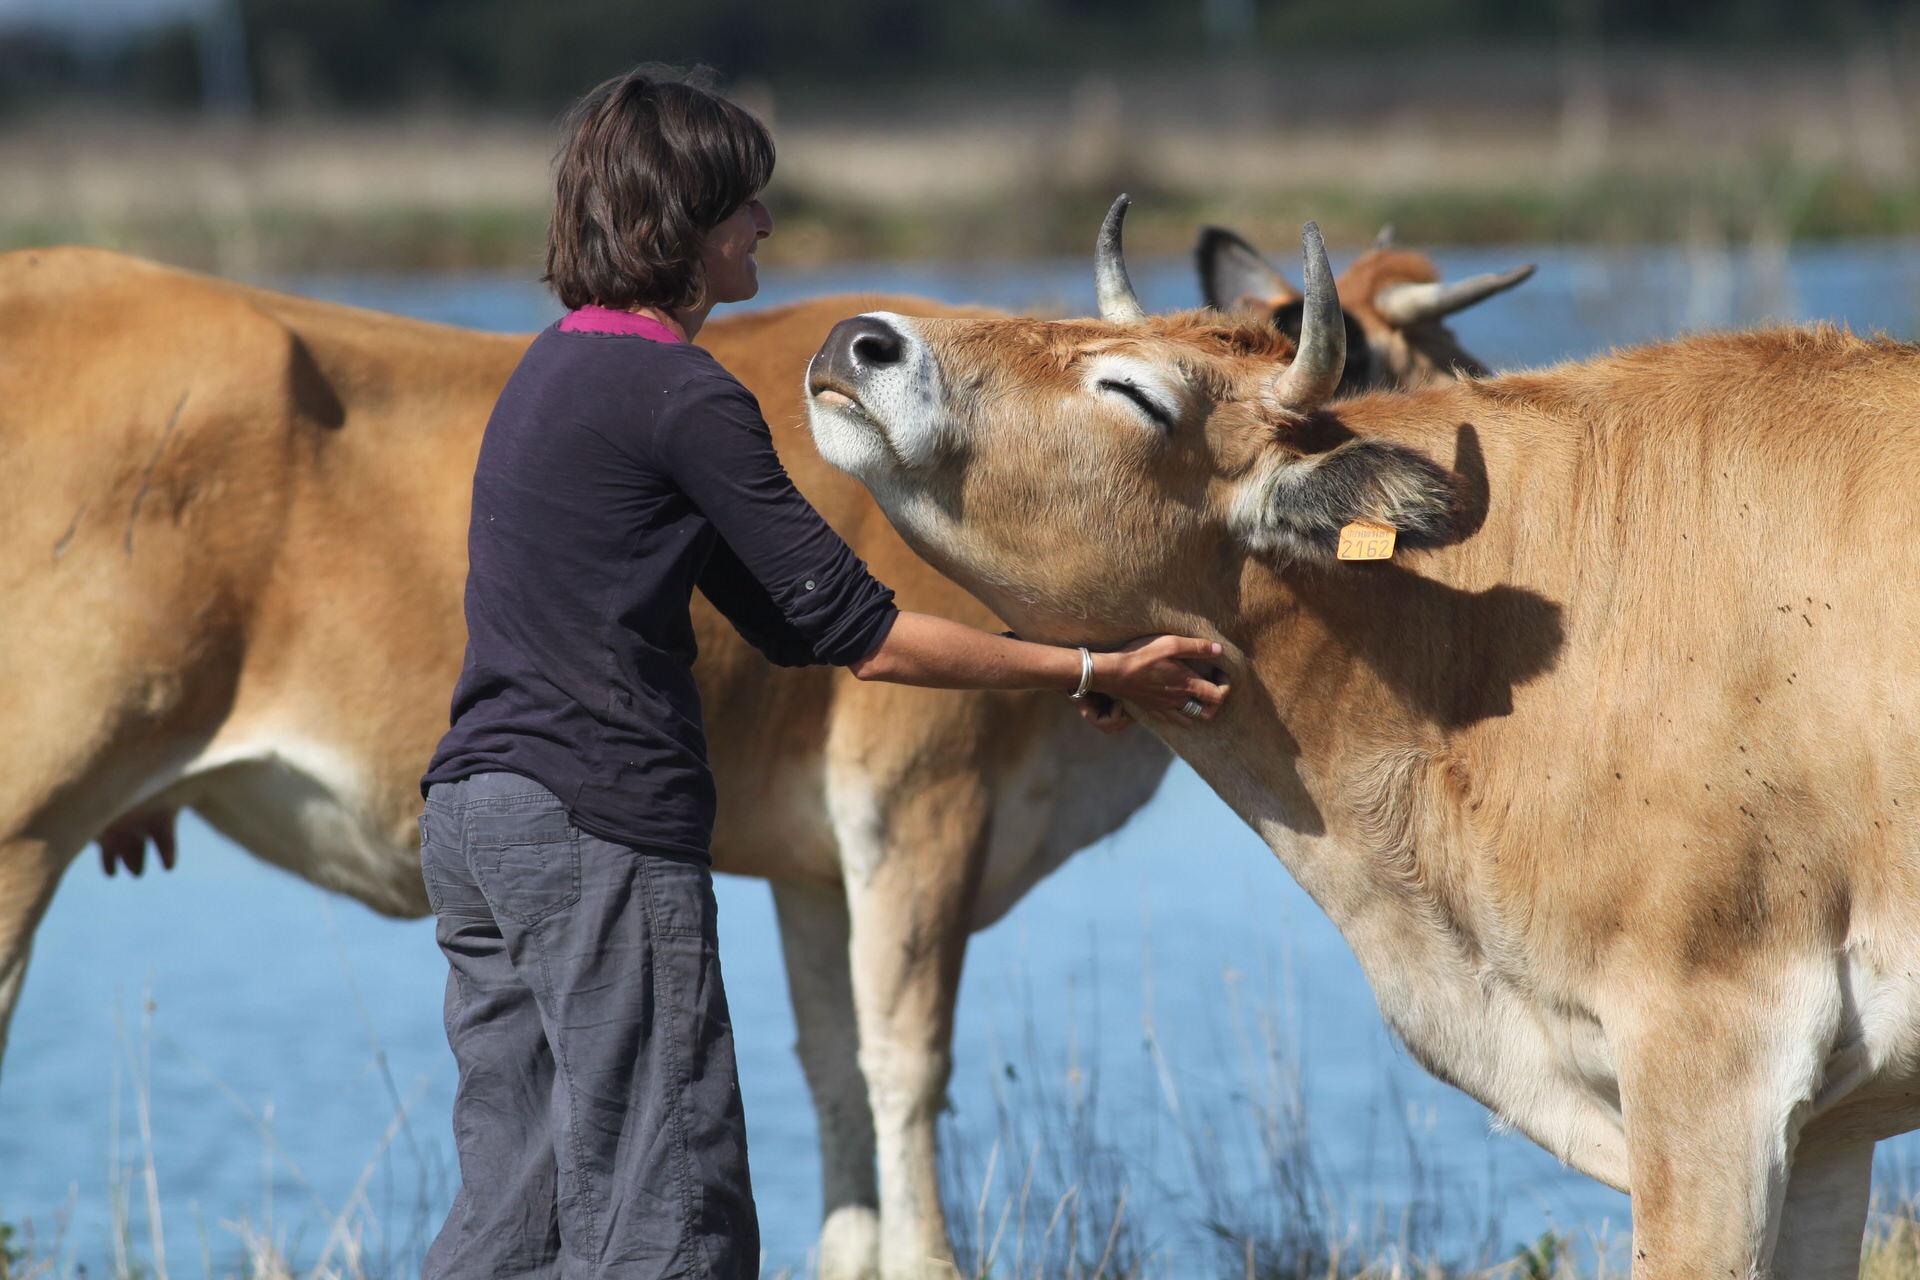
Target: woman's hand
(1153,674)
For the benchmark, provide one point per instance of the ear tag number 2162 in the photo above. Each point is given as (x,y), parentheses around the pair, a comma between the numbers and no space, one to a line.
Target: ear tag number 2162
(1364,540)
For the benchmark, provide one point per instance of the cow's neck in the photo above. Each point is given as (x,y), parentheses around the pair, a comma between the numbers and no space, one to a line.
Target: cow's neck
(1341,748)
(1348,750)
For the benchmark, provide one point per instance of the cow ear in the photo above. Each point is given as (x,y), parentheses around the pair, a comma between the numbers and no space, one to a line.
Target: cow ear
(1298,505)
(1234,275)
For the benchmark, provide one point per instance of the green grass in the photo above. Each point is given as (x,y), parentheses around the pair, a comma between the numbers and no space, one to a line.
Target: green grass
(1779,201)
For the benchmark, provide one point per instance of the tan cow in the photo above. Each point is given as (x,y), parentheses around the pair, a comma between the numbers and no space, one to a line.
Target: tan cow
(231,555)
(1610,776)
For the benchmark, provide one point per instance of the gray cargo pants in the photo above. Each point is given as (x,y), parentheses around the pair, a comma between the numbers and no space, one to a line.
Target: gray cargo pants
(598,1117)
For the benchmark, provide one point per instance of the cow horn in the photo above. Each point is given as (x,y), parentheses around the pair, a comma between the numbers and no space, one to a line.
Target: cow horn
(1321,356)
(1118,305)
(1405,304)
(1383,239)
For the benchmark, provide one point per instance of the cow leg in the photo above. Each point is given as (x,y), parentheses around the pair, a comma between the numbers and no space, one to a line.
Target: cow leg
(1707,1183)
(814,935)
(51,805)
(1825,1214)
(30,870)
(912,876)
(1713,1084)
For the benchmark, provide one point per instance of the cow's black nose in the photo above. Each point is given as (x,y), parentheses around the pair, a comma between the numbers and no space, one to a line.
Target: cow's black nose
(855,346)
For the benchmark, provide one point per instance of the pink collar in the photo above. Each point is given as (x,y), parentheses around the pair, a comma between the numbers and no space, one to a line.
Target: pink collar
(596,319)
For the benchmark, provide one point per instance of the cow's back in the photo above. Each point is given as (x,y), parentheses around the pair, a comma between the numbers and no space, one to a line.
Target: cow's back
(241,515)
(1692,648)
(147,426)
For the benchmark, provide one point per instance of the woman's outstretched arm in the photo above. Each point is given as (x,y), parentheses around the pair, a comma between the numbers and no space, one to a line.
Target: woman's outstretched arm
(925,650)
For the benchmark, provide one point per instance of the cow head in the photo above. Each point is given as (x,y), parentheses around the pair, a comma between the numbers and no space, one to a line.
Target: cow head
(1394,305)
(1086,473)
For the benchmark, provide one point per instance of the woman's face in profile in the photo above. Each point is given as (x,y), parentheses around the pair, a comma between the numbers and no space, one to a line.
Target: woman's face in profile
(732,274)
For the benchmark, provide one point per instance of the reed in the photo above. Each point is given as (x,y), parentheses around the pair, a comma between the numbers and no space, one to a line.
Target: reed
(1061,1185)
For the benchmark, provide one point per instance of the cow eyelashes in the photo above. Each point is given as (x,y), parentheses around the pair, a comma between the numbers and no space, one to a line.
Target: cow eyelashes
(1141,399)
(1140,382)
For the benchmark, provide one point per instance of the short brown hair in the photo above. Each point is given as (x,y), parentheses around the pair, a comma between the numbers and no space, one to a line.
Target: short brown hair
(652,161)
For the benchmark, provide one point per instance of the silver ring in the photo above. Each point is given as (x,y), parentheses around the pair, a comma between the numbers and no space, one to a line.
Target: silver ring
(1193,707)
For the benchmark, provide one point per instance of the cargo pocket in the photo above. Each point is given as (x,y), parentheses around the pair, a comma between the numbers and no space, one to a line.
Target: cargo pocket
(527,862)
(451,891)
(680,901)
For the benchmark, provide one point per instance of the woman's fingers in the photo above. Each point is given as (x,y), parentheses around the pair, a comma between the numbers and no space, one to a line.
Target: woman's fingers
(1170,703)
(1109,717)
(1157,675)
(1207,691)
(1210,704)
(1173,648)
(1180,683)
(1188,647)
(1189,688)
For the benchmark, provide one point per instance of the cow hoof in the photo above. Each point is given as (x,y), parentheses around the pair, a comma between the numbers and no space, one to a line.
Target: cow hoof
(918,1259)
(850,1244)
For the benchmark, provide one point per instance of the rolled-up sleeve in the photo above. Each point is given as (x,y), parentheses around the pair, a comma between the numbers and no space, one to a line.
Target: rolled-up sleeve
(728,586)
(825,606)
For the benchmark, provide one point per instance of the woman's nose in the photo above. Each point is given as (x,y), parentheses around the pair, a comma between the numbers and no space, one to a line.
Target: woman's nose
(762,221)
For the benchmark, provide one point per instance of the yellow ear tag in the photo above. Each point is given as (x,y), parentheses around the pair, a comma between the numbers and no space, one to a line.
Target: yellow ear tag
(1365,540)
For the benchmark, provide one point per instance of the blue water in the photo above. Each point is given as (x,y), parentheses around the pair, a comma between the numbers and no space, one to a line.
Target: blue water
(1174,974)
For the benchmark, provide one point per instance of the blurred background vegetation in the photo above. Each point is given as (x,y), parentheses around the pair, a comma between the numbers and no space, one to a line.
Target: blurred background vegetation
(279,56)
(253,135)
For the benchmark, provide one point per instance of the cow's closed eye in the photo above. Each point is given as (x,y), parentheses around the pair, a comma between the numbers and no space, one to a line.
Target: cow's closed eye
(1156,413)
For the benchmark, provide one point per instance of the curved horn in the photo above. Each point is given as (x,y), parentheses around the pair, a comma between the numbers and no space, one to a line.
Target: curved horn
(1405,304)
(1118,305)
(1383,239)
(1309,381)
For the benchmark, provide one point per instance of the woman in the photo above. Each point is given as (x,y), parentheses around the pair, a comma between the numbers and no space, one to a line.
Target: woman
(569,807)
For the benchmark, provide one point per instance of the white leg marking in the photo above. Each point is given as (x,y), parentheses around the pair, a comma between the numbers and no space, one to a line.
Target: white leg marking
(814,938)
(897,1004)
(1825,1214)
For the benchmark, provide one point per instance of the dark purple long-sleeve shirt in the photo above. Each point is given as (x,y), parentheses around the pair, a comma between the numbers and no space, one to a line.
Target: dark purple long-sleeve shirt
(620,470)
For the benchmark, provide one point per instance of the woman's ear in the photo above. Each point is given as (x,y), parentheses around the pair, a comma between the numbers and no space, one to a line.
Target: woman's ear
(1298,504)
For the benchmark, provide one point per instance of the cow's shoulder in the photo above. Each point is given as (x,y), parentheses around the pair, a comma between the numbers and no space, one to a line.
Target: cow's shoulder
(91,323)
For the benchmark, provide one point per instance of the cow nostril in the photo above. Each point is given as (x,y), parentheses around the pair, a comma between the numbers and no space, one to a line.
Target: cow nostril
(858,346)
(877,345)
